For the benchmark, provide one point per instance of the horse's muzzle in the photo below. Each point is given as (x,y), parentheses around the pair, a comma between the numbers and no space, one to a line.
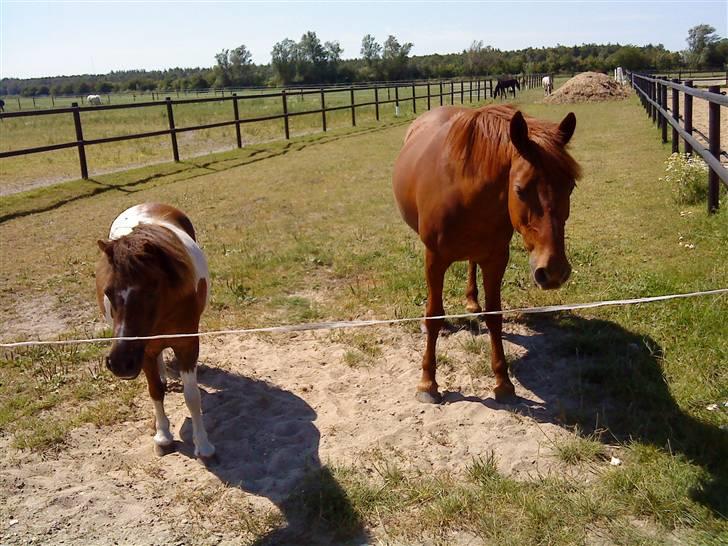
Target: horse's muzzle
(550,278)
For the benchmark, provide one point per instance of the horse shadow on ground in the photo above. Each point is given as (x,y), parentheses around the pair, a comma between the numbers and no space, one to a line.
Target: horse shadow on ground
(267,445)
(600,379)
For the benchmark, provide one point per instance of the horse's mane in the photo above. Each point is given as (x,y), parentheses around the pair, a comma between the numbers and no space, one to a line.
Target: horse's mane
(151,251)
(480,138)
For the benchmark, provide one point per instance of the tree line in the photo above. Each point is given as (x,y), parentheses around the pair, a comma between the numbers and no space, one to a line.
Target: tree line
(309,61)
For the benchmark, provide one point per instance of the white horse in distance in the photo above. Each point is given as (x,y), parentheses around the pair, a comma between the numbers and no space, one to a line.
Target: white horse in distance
(548,85)
(94,99)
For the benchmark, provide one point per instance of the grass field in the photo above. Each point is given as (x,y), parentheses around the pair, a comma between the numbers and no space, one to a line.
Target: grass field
(24,172)
(307,229)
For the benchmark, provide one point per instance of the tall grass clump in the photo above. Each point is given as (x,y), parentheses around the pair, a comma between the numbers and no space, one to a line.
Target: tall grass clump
(687,177)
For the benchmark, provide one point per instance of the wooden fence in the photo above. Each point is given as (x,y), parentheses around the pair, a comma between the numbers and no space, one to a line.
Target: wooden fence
(653,93)
(459,91)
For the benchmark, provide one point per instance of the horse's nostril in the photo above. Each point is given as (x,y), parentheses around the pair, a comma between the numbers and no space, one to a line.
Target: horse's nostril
(541,276)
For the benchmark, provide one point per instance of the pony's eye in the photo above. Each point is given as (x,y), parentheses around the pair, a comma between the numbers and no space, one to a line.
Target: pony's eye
(520,192)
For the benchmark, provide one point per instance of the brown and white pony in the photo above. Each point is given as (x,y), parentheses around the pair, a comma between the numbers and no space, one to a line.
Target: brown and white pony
(152,279)
(464,180)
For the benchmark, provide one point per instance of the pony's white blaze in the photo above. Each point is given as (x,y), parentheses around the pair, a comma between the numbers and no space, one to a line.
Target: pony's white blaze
(138,214)
(163,437)
(203,447)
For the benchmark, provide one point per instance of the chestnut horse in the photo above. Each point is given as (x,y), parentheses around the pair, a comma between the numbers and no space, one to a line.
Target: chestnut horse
(152,279)
(464,180)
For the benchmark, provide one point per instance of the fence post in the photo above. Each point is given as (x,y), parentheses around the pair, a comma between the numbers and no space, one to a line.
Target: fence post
(676,117)
(376,101)
(714,148)
(238,136)
(663,103)
(353,111)
(396,98)
(414,100)
(470,90)
(462,93)
(688,106)
(452,93)
(323,109)
(440,92)
(653,96)
(79,139)
(285,114)
(428,95)
(173,133)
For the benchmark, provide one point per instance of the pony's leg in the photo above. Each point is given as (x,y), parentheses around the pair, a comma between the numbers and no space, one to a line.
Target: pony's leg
(435,273)
(471,292)
(162,370)
(187,359)
(493,271)
(163,438)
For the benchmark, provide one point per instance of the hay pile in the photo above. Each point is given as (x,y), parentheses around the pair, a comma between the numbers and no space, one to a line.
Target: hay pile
(588,87)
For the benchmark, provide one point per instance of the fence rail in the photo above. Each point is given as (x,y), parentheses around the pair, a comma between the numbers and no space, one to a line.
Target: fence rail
(653,93)
(459,90)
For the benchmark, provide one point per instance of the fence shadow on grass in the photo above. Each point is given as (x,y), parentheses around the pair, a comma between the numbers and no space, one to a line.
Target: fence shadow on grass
(596,374)
(267,445)
(189,169)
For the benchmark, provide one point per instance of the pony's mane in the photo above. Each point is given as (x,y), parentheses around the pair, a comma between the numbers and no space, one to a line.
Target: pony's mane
(151,251)
(481,137)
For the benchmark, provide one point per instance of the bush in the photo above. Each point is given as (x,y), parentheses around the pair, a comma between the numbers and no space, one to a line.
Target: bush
(687,176)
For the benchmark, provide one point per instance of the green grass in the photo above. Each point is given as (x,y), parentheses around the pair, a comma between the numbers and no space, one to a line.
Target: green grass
(308,230)
(23,172)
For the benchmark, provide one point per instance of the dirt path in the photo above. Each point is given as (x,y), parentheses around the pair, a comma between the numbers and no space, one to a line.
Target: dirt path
(700,121)
(276,408)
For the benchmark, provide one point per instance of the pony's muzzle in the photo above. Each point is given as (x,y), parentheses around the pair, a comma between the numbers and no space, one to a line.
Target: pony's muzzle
(125,361)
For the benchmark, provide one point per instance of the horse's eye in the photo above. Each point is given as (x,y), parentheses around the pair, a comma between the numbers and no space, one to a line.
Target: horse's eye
(520,192)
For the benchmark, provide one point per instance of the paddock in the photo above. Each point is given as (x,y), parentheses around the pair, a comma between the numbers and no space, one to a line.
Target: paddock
(319,436)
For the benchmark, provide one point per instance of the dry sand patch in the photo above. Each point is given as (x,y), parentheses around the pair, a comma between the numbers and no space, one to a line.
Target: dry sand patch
(277,408)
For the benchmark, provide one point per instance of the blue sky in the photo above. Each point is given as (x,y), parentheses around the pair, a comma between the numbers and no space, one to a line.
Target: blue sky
(63,37)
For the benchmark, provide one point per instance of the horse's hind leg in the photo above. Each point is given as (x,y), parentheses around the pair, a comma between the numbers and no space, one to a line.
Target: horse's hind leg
(187,359)
(435,273)
(471,291)
(163,438)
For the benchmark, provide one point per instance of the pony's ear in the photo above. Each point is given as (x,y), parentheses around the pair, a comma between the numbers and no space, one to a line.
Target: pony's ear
(107,247)
(519,134)
(567,128)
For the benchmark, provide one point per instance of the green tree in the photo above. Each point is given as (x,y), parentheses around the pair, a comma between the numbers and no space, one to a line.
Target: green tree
(395,57)
(700,37)
(284,58)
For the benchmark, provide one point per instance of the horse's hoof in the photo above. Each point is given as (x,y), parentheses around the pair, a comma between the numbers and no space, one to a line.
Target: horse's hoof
(428,398)
(161,451)
(505,393)
(472,307)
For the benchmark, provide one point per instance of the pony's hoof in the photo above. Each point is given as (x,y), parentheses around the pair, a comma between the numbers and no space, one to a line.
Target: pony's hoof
(428,398)
(505,393)
(161,451)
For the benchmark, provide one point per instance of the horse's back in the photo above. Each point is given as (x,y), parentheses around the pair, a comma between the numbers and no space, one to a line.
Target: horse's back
(420,160)
(169,217)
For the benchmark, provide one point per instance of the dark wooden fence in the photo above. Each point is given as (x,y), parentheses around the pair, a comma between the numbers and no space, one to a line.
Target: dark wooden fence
(653,92)
(459,91)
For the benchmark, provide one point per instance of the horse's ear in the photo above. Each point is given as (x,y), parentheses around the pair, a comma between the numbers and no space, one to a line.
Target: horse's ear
(567,128)
(107,247)
(519,133)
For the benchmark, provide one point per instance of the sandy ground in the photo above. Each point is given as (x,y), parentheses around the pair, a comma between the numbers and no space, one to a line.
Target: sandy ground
(277,407)
(700,121)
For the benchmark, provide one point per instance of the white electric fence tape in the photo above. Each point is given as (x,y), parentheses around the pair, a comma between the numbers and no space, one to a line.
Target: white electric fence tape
(361,323)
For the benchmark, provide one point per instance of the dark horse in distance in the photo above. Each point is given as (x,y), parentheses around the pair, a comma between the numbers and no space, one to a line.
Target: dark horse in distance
(504,85)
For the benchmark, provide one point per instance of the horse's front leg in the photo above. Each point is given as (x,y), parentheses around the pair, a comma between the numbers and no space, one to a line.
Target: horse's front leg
(471,292)
(435,269)
(163,438)
(492,278)
(187,354)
